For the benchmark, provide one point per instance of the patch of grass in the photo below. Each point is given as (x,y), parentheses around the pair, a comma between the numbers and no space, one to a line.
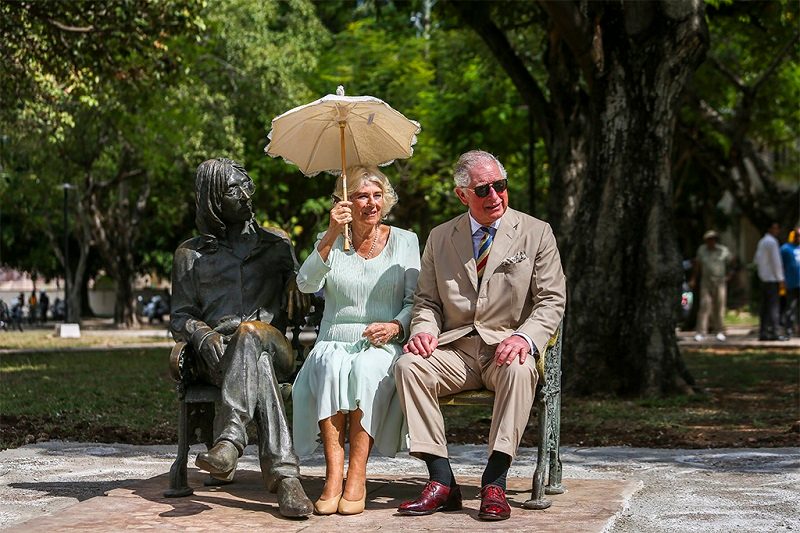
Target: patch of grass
(740,317)
(45,339)
(749,398)
(124,395)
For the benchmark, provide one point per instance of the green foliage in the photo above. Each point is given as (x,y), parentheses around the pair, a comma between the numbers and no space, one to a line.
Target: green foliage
(746,38)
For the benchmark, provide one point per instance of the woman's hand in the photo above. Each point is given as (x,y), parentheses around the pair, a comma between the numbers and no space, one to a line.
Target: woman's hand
(341,214)
(379,333)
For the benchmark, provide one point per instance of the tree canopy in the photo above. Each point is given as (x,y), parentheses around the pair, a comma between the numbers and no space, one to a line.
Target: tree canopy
(123,99)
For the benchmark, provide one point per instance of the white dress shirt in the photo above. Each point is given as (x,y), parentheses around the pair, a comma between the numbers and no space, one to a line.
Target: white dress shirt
(768,259)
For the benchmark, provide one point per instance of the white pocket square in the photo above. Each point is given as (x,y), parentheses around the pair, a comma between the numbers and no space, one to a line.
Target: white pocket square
(517,258)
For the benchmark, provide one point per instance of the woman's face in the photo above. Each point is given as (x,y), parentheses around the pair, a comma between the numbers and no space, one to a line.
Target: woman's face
(367,204)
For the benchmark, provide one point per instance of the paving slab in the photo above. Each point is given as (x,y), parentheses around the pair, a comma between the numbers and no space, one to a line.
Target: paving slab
(60,486)
(588,506)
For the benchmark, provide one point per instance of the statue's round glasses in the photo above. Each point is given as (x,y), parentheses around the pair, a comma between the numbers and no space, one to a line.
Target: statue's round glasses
(245,188)
(482,191)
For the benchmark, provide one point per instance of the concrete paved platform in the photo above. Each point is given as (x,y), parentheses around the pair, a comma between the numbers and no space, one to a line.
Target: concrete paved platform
(588,506)
(697,491)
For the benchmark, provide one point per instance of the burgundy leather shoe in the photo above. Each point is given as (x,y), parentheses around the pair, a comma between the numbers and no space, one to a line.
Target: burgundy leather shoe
(494,505)
(435,497)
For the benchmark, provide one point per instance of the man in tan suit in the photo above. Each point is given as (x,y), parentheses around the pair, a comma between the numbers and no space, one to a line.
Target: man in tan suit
(491,292)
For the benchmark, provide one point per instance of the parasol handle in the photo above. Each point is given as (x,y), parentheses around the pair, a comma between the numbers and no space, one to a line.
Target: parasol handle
(344,184)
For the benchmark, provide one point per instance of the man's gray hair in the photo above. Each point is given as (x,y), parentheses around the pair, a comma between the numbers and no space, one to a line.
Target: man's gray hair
(471,159)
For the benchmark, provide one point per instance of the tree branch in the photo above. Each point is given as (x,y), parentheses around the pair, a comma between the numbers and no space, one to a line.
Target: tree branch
(74,29)
(577,33)
(725,71)
(776,61)
(476,15)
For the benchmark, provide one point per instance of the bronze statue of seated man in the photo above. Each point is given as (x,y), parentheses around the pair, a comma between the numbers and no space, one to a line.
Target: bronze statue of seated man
(233,291)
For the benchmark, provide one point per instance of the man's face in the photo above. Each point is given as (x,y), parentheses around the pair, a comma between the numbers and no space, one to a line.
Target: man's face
(491,207)
(711,242)
(775,229)
(237,207)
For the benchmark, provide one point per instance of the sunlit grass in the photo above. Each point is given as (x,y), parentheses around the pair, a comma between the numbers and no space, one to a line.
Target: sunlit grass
(747,398)
(45,339)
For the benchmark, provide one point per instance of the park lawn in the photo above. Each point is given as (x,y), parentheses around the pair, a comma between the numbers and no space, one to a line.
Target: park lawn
(747,398)
(114,396)
(750,398)
(41,340)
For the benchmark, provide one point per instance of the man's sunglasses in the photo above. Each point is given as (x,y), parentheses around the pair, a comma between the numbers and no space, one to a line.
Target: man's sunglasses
(482,191)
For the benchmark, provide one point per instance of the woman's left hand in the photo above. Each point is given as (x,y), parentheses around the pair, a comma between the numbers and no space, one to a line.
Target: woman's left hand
(379,333)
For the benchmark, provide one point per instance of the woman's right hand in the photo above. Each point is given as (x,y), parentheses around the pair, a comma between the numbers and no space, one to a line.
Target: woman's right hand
(341,214)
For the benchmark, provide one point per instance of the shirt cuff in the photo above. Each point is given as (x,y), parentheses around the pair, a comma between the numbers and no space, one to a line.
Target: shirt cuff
(528,339)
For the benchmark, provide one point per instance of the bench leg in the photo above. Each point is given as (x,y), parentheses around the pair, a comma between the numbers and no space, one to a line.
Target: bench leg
(537,500)
(554,485)
(178,482)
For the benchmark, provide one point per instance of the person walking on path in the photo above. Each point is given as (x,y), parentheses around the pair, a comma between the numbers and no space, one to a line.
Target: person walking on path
(44,305)
(770,272)
(790,257)
(711,266)
(491,292)
(33,308)
(17,312)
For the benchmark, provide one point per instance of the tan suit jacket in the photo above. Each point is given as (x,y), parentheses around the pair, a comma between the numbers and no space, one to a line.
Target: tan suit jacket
(523,287)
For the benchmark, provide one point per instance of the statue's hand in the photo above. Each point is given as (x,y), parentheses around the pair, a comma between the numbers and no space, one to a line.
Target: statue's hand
(298,303)
(211,350)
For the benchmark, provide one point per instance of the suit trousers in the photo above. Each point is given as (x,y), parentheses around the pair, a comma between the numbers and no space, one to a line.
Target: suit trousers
(250,390)
(464,364)
(770,312)
(712,304)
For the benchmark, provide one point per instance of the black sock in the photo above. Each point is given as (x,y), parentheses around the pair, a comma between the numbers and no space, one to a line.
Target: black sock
(496,470)
(439,469)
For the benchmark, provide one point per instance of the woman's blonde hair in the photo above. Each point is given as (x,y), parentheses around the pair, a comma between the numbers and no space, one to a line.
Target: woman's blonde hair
(358,175)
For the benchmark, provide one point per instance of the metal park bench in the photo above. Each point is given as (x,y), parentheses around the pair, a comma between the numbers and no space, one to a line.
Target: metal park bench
(197,407)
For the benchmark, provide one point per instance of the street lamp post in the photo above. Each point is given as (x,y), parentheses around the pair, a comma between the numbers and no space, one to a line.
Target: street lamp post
(66,187)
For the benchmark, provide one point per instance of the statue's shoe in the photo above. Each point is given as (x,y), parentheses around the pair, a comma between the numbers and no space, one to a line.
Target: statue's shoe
(221,459)
(292,499)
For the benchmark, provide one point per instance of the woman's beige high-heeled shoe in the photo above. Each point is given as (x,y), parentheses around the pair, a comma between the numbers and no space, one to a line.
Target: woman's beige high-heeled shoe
(326,507)
(347,507)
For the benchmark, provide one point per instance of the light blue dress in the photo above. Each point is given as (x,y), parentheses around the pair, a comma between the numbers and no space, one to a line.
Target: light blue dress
(344,371)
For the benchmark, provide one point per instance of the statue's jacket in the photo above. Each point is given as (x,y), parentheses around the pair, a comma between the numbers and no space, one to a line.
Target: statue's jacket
(211,284)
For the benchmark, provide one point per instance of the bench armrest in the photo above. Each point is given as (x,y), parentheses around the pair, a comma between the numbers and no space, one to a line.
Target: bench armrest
(176,360)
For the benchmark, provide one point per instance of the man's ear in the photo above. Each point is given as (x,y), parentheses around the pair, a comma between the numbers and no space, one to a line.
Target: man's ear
(461,195)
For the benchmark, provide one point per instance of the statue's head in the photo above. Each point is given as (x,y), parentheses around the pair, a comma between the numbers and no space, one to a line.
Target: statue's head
(222,195)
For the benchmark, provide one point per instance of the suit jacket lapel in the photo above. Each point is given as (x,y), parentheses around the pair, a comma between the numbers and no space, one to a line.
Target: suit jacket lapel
(462,240)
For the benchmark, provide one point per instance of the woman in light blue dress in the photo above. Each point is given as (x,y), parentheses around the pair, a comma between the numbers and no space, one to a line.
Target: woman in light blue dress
(348,376)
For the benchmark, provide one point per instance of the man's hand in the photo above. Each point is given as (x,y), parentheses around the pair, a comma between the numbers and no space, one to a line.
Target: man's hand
(511,348)
(298,303)
(422,344)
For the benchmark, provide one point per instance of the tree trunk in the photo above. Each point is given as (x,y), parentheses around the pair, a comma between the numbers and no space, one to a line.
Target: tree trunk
(624,272)
(115,220)
(616,71)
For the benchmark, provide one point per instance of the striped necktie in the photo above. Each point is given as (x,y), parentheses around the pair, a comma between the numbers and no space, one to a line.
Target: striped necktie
(483,252)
